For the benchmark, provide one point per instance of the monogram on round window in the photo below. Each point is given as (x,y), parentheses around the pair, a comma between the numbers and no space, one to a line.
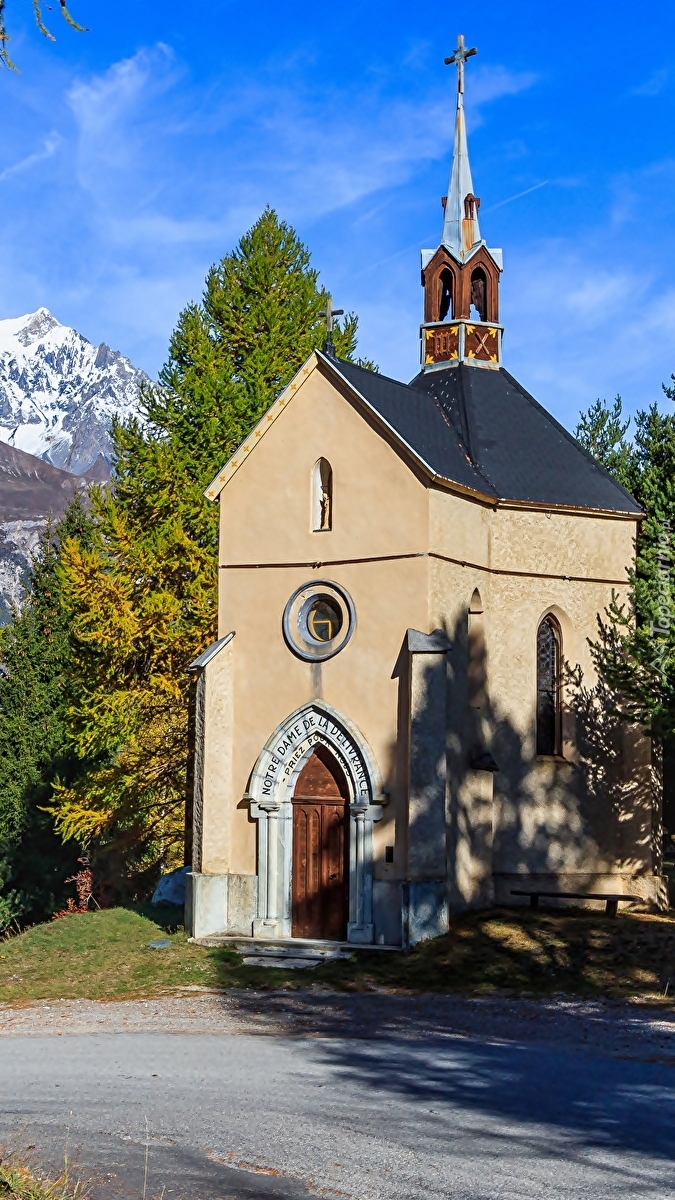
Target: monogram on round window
(324,620)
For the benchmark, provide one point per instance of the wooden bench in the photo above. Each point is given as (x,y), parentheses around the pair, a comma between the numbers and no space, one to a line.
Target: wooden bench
(611,900)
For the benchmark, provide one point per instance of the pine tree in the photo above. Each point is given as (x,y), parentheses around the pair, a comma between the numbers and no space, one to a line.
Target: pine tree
(34,674)
(38,7)
(635,648)
(143,594)
(602,431)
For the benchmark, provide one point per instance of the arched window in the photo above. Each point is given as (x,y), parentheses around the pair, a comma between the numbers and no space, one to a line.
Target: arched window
(322,496)
(445,283)
(549,664)
(476,667)
(479,294)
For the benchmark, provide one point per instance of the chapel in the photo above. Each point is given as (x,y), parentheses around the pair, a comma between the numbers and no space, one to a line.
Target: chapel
(400,718)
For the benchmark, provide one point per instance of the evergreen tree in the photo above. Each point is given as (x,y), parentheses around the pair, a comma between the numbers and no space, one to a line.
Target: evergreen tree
(143,594)
(38,9)
(635,649)
(602,431)
(34,674)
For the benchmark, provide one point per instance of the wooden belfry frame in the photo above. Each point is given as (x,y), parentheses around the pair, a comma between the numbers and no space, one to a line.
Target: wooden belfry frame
(433,278)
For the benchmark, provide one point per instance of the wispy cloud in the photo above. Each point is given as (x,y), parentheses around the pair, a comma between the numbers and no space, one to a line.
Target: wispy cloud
(146,176)
(119,119)
(49,147)
(491,83)
(654,84)
(518,196)
(314,153)
(582,322)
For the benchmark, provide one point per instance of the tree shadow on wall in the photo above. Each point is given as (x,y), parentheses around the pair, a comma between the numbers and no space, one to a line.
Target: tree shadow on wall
(526,818)
(508,811)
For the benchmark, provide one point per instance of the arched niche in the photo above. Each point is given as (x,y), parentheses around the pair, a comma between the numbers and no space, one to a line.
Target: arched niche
(477,666)
(322,496)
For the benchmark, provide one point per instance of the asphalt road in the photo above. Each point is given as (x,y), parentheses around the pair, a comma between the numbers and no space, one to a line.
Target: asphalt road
(266,1116)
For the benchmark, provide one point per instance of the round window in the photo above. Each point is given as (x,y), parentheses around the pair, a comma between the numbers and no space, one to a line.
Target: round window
(318,621)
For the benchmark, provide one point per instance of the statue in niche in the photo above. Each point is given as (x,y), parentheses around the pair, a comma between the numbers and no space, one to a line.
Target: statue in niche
(325,505)
(322,496)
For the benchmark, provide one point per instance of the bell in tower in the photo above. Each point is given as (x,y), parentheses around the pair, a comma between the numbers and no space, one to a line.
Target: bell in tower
(461,278)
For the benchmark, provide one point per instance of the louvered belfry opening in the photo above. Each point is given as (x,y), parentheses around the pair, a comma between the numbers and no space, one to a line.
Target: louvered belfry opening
(320,887)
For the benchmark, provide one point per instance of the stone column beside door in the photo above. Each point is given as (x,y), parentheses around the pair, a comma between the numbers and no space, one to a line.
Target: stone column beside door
(425,912)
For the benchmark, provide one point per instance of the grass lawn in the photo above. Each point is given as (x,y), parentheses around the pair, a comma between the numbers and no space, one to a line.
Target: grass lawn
(105,956)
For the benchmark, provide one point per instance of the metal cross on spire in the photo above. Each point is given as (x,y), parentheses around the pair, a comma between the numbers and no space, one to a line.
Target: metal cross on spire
(329,312)
(460,219)
(459,58)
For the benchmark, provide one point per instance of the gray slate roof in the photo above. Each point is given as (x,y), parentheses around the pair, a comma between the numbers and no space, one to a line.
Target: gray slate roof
(482,430)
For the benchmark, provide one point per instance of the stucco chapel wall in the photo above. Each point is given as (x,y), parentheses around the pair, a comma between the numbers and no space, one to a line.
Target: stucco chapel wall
(566,818)
(268,549)
(411,555)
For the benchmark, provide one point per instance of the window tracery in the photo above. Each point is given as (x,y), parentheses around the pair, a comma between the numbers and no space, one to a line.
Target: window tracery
(549,662)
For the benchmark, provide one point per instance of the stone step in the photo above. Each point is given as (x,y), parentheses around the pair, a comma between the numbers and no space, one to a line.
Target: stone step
(284,962)
(296,947)
(319,953)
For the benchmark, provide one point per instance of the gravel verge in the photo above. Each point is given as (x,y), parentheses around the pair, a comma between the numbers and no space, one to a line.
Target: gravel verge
(614,1028)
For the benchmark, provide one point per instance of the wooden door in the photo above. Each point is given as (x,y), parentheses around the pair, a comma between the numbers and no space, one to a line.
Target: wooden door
(320,848)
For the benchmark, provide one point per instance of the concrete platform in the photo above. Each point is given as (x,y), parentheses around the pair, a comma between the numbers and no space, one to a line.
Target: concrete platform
(296,946)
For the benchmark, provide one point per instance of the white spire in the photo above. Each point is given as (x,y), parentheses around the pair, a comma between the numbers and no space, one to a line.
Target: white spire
(460,223)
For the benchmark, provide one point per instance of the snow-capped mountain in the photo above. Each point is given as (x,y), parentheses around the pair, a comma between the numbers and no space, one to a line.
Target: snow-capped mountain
(58,393)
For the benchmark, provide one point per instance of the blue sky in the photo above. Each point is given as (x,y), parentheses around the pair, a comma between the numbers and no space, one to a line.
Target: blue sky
(135,155)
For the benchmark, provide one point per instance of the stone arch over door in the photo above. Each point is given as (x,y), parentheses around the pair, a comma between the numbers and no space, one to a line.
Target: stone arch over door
(271,793)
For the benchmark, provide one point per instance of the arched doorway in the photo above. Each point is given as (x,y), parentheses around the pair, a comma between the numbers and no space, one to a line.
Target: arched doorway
(320,874)
(314,728)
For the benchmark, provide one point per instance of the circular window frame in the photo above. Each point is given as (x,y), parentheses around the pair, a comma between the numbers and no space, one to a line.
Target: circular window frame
(296,632)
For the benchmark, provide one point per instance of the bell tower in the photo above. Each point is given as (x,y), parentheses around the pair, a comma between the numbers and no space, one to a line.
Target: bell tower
(461,278)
